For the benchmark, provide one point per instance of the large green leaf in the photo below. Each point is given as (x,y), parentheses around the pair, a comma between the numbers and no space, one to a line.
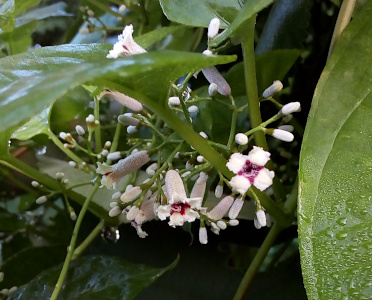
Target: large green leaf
(335,206)
(30,81)
(199,13)
(94,277)
(7,21)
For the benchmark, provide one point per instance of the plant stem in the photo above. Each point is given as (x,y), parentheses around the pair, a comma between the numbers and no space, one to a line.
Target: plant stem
(257,261)
(97,131)
(233,124)
(89,239)
(344,17)
(71,247)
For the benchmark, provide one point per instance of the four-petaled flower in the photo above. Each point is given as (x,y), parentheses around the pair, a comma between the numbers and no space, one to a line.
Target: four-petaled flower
(250,170)
(126,45)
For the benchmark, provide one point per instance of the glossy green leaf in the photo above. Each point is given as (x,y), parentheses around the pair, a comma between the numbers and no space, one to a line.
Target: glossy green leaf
(286,26)
(37,125)
(94,277)
(335,207)
(149,75)
(199,13)
(4,141)
(23,5)
(19,40)
(7,21)
(238,27)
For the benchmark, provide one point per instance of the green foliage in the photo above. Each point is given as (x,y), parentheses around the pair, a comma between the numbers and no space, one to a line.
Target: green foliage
(94,277)
(335,205)
(7,21)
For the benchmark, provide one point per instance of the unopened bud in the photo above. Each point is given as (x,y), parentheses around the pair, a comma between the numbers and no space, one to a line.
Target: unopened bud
(41,200)
(125,100)
(207,52)
(290,108)
(127,119)
(73,216)
(114,155)
(214,76)
(116,196)
(203,134)
(261,217)
(200,159)
(151,169)
(35,184)
(132,213)
(90,119)
(79,130)
(218,191)
(174,101)
(132,129)
(214,26)
(115,211)
(193,110)
(212,89)
(203,235)
(131,194)
(104,152)
(276,87)
(234,222)
(241,139)
(221,224)
(282,135)
(72,163)
(288,128)
(236,208)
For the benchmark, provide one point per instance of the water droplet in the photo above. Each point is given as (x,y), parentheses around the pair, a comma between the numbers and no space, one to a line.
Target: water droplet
(364,212)
(341,221)
(341,235)
(110,234)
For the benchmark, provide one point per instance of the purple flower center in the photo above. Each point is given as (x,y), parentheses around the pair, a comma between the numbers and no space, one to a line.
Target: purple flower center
(250,171)
(179,207)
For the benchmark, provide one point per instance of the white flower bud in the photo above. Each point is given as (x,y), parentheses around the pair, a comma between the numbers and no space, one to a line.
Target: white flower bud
(214,26)
(72,163)
(132,213)
(125,100)
(59,175)
(288,128)
(290,108)
(256,224)
(35,184)
(84,31)
(131,194)
(73,216)
(104,152)
(193,110)
(132,129)
(113,204)
(174,101)
(221,224)
(234,222)
(114,155)
(116,195)
(236,208)
(79,130)
(200,159)
(90,119)
(65,181)
(115,211)
(188,165)
(151,169)
(212,89)
(107,144)
(63,135)
(241,139)
(261,217)
(41,200)
(218,191)
(203,235)
(214,76)
(207,52)
(287,118)
(283,135)
(127,119)
(122,8)
(276,87)
(203,134)
(186,173)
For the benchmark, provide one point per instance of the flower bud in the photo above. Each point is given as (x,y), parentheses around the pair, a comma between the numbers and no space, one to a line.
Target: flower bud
(218,190)
(127,119)
(221,224)
(125,100)
(214,76)
(132,129)
(282,135)
(151,169)
(221,208)
(212,89)
(41,200)
(198,189)
(256,224)
(114,155)
(207,52)
(241,139)
(116,195)
(214,26)
(203,235)
(261,217)
(276,87)
(79,130)
(35,184)
(131,194)
(288,128)
(115,211)
(193,110)
(174,101)
(234,222)
(132,213)
(290,108)
(90,119)
(72,163)
(236,208)
(203,134)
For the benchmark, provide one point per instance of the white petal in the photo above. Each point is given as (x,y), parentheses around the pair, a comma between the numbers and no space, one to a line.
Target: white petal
(176,219)
(163,211)
(236,162)
(258,156)
(264,179)
(240,184)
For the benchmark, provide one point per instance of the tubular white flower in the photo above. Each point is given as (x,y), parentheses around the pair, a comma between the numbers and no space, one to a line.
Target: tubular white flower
(174,189)
(114,155)
(112,174)
(212,89)
(214,76)
(290,108)
(126,45)
(198,189)
(214,26)
(236,208)
(261,217)
(221,209)
(131,194)
(125,100)
(241,139)
(283,135)
(276,87)
(288,128)
(174,101)
(203,235)
(127,119)
(79,130)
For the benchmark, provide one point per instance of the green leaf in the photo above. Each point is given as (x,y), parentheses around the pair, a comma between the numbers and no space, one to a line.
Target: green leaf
(238,26)
(286,26)
(94,277)
(156,35)
(7,21)
(19,40)
(199,13)
(335,206)
(24,5)
(149,75)
(37,125)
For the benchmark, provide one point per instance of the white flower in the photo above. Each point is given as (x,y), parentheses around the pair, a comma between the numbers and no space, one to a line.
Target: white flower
(125,100)
(179,209)
(214,26)
(112,174)
(277,86)
(221,208)
(214,76)
(250,170)
(290,108)
(126,45)
(115,211)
